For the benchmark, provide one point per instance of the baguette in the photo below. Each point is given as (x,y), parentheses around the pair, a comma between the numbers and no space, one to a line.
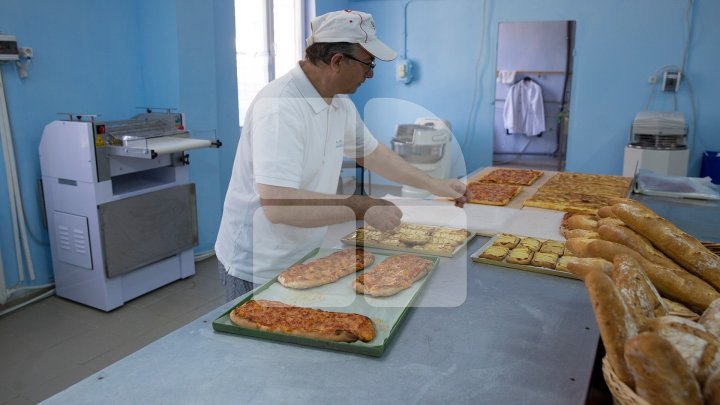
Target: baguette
(582,221)
(676,244)
(582,266)
(678,286)
(698,347)
(678,309)
(711,390)
(660,372)
(626,236)
(640,296)
(580,233)
(605,212)
(710,319)
(614,322)
(610,221)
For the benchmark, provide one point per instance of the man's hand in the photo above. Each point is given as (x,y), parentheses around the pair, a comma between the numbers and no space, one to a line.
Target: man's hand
(451,188)
(381,214)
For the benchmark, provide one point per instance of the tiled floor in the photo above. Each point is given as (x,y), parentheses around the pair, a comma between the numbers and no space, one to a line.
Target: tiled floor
(54,343)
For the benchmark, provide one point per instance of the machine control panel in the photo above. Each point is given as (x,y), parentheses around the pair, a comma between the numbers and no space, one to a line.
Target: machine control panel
(8,48)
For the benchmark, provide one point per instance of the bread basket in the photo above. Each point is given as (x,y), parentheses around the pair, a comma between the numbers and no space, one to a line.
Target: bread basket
(622,394)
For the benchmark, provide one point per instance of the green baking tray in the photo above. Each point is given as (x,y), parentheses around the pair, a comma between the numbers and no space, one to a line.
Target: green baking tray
(387,313)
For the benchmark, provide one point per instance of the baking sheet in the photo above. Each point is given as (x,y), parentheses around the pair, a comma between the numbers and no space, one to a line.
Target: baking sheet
(386,313)
(526,267)
(351,239)
(525,193)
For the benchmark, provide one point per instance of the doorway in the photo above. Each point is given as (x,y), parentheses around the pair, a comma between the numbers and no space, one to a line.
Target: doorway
(532,94)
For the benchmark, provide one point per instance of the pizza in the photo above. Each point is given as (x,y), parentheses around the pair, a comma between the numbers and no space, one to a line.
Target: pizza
(326,269)
(392,275)
(579,193)
(490,193)
(277,317)
(577,203)
(520,177)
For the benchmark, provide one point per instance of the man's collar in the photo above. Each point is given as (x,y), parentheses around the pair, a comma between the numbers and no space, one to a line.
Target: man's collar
(308,91)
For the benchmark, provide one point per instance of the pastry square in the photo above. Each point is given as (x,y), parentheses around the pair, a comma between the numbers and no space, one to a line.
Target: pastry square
(520,255)
(530,243)
(546,260)
(552,246)
(505,240)
(495,253)
(562,262)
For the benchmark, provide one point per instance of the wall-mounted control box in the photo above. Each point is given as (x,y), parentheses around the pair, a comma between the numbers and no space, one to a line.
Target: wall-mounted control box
(403,71)
(671,81)
(8,48)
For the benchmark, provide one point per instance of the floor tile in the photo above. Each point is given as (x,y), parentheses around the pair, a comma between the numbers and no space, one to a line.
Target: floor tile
(175,305)
(19,400)
(51,387)
(49,345)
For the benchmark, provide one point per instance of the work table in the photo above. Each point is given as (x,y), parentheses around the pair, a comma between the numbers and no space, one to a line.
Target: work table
(479,333)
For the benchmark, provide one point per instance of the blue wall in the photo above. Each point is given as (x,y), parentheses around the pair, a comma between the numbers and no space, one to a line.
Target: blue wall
(109,57)
(619,44)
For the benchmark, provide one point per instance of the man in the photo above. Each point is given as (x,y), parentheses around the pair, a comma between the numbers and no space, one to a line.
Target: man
(281,195)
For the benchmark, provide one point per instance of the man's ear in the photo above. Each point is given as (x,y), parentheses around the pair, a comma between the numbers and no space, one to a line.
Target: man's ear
(335,62)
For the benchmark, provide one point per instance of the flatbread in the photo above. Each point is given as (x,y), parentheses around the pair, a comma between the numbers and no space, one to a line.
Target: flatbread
(277,317)
(326,269)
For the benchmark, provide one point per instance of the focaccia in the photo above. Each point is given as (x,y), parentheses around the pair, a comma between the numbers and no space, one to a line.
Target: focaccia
(326,269)
(392,275)
(277,317)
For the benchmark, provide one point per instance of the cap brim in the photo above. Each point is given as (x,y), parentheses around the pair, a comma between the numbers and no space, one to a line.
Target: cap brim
(379,50)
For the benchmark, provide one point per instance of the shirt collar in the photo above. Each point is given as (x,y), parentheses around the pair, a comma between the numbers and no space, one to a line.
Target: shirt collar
(308,91)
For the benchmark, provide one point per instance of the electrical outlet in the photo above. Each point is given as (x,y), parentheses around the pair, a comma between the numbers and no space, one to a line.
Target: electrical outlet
(25,52)
(652,79)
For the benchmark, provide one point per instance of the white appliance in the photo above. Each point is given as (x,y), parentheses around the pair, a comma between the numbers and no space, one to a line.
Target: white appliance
(120,209)
(658,142)
(427,146)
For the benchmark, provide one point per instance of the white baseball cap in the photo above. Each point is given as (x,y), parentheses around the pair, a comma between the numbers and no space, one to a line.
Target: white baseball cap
(350,26)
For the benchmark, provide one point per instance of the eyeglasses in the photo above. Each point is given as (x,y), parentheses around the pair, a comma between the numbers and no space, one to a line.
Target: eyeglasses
(369,66)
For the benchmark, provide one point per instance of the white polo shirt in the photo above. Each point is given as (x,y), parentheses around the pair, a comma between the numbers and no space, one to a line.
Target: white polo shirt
(291,138)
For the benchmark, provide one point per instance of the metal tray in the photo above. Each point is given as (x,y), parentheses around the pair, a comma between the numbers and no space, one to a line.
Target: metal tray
(386,313)
(526,267)
(351,239)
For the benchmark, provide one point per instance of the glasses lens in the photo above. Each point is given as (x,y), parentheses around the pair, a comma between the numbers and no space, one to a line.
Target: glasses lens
(368,66)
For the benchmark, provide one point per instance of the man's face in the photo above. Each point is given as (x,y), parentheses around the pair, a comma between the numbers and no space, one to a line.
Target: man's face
(357,66)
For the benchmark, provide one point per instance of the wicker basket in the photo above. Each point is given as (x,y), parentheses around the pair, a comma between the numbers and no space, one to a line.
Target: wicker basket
(622,394)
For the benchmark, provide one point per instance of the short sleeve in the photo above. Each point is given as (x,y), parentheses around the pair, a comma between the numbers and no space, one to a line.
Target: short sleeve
(278,142)
(359,142)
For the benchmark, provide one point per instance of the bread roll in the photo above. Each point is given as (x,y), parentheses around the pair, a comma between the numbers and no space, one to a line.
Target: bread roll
(711,390)
(610,221)
(678,286)
(582,221)
(626,236)
(661,375)
(710,319)
(614,322)
(676,244)
(678,309)
(640,296)
(698,347)
(582,266)
(580,233)
(605,212)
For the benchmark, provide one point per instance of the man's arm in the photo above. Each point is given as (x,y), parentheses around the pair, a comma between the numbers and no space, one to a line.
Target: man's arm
(390,165)
(307,209)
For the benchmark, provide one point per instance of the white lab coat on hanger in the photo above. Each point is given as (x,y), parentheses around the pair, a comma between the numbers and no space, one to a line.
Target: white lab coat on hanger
(524,112)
